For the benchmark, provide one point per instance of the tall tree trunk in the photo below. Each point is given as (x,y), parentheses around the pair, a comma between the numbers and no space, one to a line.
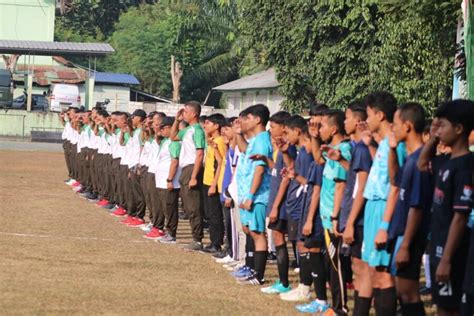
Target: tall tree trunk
(176,75)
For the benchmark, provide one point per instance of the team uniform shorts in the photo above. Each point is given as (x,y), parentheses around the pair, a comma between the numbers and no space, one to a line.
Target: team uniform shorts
(416,250)
(316,238)
(373,217)
(449,295)
(280,225)
(356,246)
(254,218)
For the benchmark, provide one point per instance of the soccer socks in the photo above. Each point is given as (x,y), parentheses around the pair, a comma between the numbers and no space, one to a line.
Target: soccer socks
(249,252)
(413,309)
(305,269)
(295,252)
(260,264)
(361,305)
(318,272)
(385,302)
(283,264)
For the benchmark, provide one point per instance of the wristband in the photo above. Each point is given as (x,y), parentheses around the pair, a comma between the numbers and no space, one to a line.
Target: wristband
(384,225)
(250,196)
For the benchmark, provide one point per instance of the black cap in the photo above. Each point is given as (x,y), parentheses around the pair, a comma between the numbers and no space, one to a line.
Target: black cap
(139,113)
(167,121)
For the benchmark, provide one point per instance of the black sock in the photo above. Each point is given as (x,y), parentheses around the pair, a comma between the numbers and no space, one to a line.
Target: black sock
(413,309)
(283,264)
(249,252)
(260,264)
(295,253)
(319,275)
(362,305)
(385,302)
(305,269)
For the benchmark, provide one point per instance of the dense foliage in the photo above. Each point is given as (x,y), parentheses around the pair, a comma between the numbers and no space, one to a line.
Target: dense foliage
(326,51)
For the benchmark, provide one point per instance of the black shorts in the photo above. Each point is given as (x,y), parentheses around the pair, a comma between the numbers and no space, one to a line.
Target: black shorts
(356,247)
(281,225)
(449,295)
(292,229)
(316,239)
(412,270)
(467,305)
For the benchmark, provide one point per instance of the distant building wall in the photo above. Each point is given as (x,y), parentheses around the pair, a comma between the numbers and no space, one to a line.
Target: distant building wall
(239,100)
(19,123)
(28,20)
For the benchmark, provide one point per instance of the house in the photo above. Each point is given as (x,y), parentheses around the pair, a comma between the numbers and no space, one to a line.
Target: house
(261,88)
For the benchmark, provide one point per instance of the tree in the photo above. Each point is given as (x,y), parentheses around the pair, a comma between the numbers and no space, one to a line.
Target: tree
(337,52)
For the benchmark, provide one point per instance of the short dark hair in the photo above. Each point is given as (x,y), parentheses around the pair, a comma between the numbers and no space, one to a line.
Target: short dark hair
(160,114)
(458,112)
(116,113)
(295,121)
(259,110)
(195,105)
(318,109)
(229,121)
(336,117)
(359,109)
(102,112)
(384,102)
(216,118)
(202,118)
(280,117)
(414,113)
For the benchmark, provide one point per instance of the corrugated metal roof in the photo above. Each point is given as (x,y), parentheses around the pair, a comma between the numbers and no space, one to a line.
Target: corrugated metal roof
(54,48)
(262,80)
(116,78)
(46,75)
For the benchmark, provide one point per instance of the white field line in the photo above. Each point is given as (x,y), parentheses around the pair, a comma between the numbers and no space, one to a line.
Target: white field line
(71,237)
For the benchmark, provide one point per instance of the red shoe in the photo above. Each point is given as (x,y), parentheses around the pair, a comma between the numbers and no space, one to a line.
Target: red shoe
(136,222)
(120,212)
(75,184)
(127,221)
(102,202)
(155,233)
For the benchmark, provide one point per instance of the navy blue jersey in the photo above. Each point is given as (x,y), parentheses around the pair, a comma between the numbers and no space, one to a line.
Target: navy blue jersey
(452,193)
(315,178)
(294,199)
(415,192)
(275,182)
(361,161)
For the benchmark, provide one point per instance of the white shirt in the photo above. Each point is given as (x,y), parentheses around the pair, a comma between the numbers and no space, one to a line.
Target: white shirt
(163,167)
(153,156)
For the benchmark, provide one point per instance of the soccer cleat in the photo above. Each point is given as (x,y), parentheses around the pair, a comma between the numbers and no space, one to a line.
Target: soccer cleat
(77,188)
(154,234)
(301,293)
(109,207)
(251,280)
(233,266)
(167,239)
(276,288)
(75,184)
(313,307)
(243,272)
(127,220)
(271,257)
(120,212)
(194,246)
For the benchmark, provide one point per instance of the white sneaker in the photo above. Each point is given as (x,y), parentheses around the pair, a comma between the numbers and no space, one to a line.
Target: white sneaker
(70,182)
(147,228)
(225,260)
(301,293)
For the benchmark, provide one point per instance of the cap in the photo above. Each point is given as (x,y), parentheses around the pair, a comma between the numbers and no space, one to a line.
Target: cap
(167,121)
(139,113)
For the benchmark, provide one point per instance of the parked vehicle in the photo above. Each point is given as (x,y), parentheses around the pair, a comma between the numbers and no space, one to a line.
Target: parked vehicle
(39,102)
(6,88)
(64,96)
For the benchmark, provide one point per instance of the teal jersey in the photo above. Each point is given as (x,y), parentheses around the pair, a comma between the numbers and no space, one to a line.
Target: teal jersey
(333,172)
